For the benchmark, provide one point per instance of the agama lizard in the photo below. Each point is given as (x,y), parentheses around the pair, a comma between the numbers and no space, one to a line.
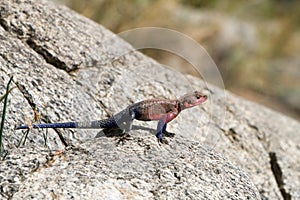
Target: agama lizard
(161,110)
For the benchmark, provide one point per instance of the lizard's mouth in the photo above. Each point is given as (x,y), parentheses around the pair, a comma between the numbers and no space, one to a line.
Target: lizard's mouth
(202,99)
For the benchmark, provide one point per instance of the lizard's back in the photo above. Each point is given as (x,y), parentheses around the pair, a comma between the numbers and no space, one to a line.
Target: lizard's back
(154,109)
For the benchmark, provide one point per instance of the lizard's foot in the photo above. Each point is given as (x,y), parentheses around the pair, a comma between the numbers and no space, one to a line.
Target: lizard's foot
(160,138)
(163,141)
(123,138)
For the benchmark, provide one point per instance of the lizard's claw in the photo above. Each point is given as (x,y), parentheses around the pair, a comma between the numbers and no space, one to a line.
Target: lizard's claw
(162,141)
(124,137)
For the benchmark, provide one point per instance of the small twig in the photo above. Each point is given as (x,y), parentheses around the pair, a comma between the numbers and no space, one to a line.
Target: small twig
(45,135)
(24,137)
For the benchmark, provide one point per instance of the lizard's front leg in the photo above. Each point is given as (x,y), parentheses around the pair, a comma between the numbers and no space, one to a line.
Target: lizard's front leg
(164,129)
(161,128)
(162,123)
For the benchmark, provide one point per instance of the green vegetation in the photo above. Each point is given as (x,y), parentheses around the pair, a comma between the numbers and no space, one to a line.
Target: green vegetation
(23,138)
(36,119)
(5,97)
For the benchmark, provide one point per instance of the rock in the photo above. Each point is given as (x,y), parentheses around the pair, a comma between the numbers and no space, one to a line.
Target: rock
(68,68)
(138,168)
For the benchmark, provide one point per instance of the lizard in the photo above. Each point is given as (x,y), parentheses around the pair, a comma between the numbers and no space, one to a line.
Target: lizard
(161,110)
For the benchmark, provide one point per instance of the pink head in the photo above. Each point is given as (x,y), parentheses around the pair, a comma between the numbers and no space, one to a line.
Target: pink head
(192,99)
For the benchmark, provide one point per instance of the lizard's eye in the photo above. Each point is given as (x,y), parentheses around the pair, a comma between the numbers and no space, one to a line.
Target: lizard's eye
(198,96)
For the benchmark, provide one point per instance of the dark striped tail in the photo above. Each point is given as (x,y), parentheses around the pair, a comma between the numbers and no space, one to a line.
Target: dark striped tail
(52,125)
(105,123)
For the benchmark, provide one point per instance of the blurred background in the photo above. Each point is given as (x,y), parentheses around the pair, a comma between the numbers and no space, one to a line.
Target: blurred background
(255,44)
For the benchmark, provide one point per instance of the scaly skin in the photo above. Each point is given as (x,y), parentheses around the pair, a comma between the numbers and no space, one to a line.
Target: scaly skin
(160,110)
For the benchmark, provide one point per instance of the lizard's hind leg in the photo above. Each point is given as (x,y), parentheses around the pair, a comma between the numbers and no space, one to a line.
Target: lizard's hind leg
(129,122)
(127,126)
